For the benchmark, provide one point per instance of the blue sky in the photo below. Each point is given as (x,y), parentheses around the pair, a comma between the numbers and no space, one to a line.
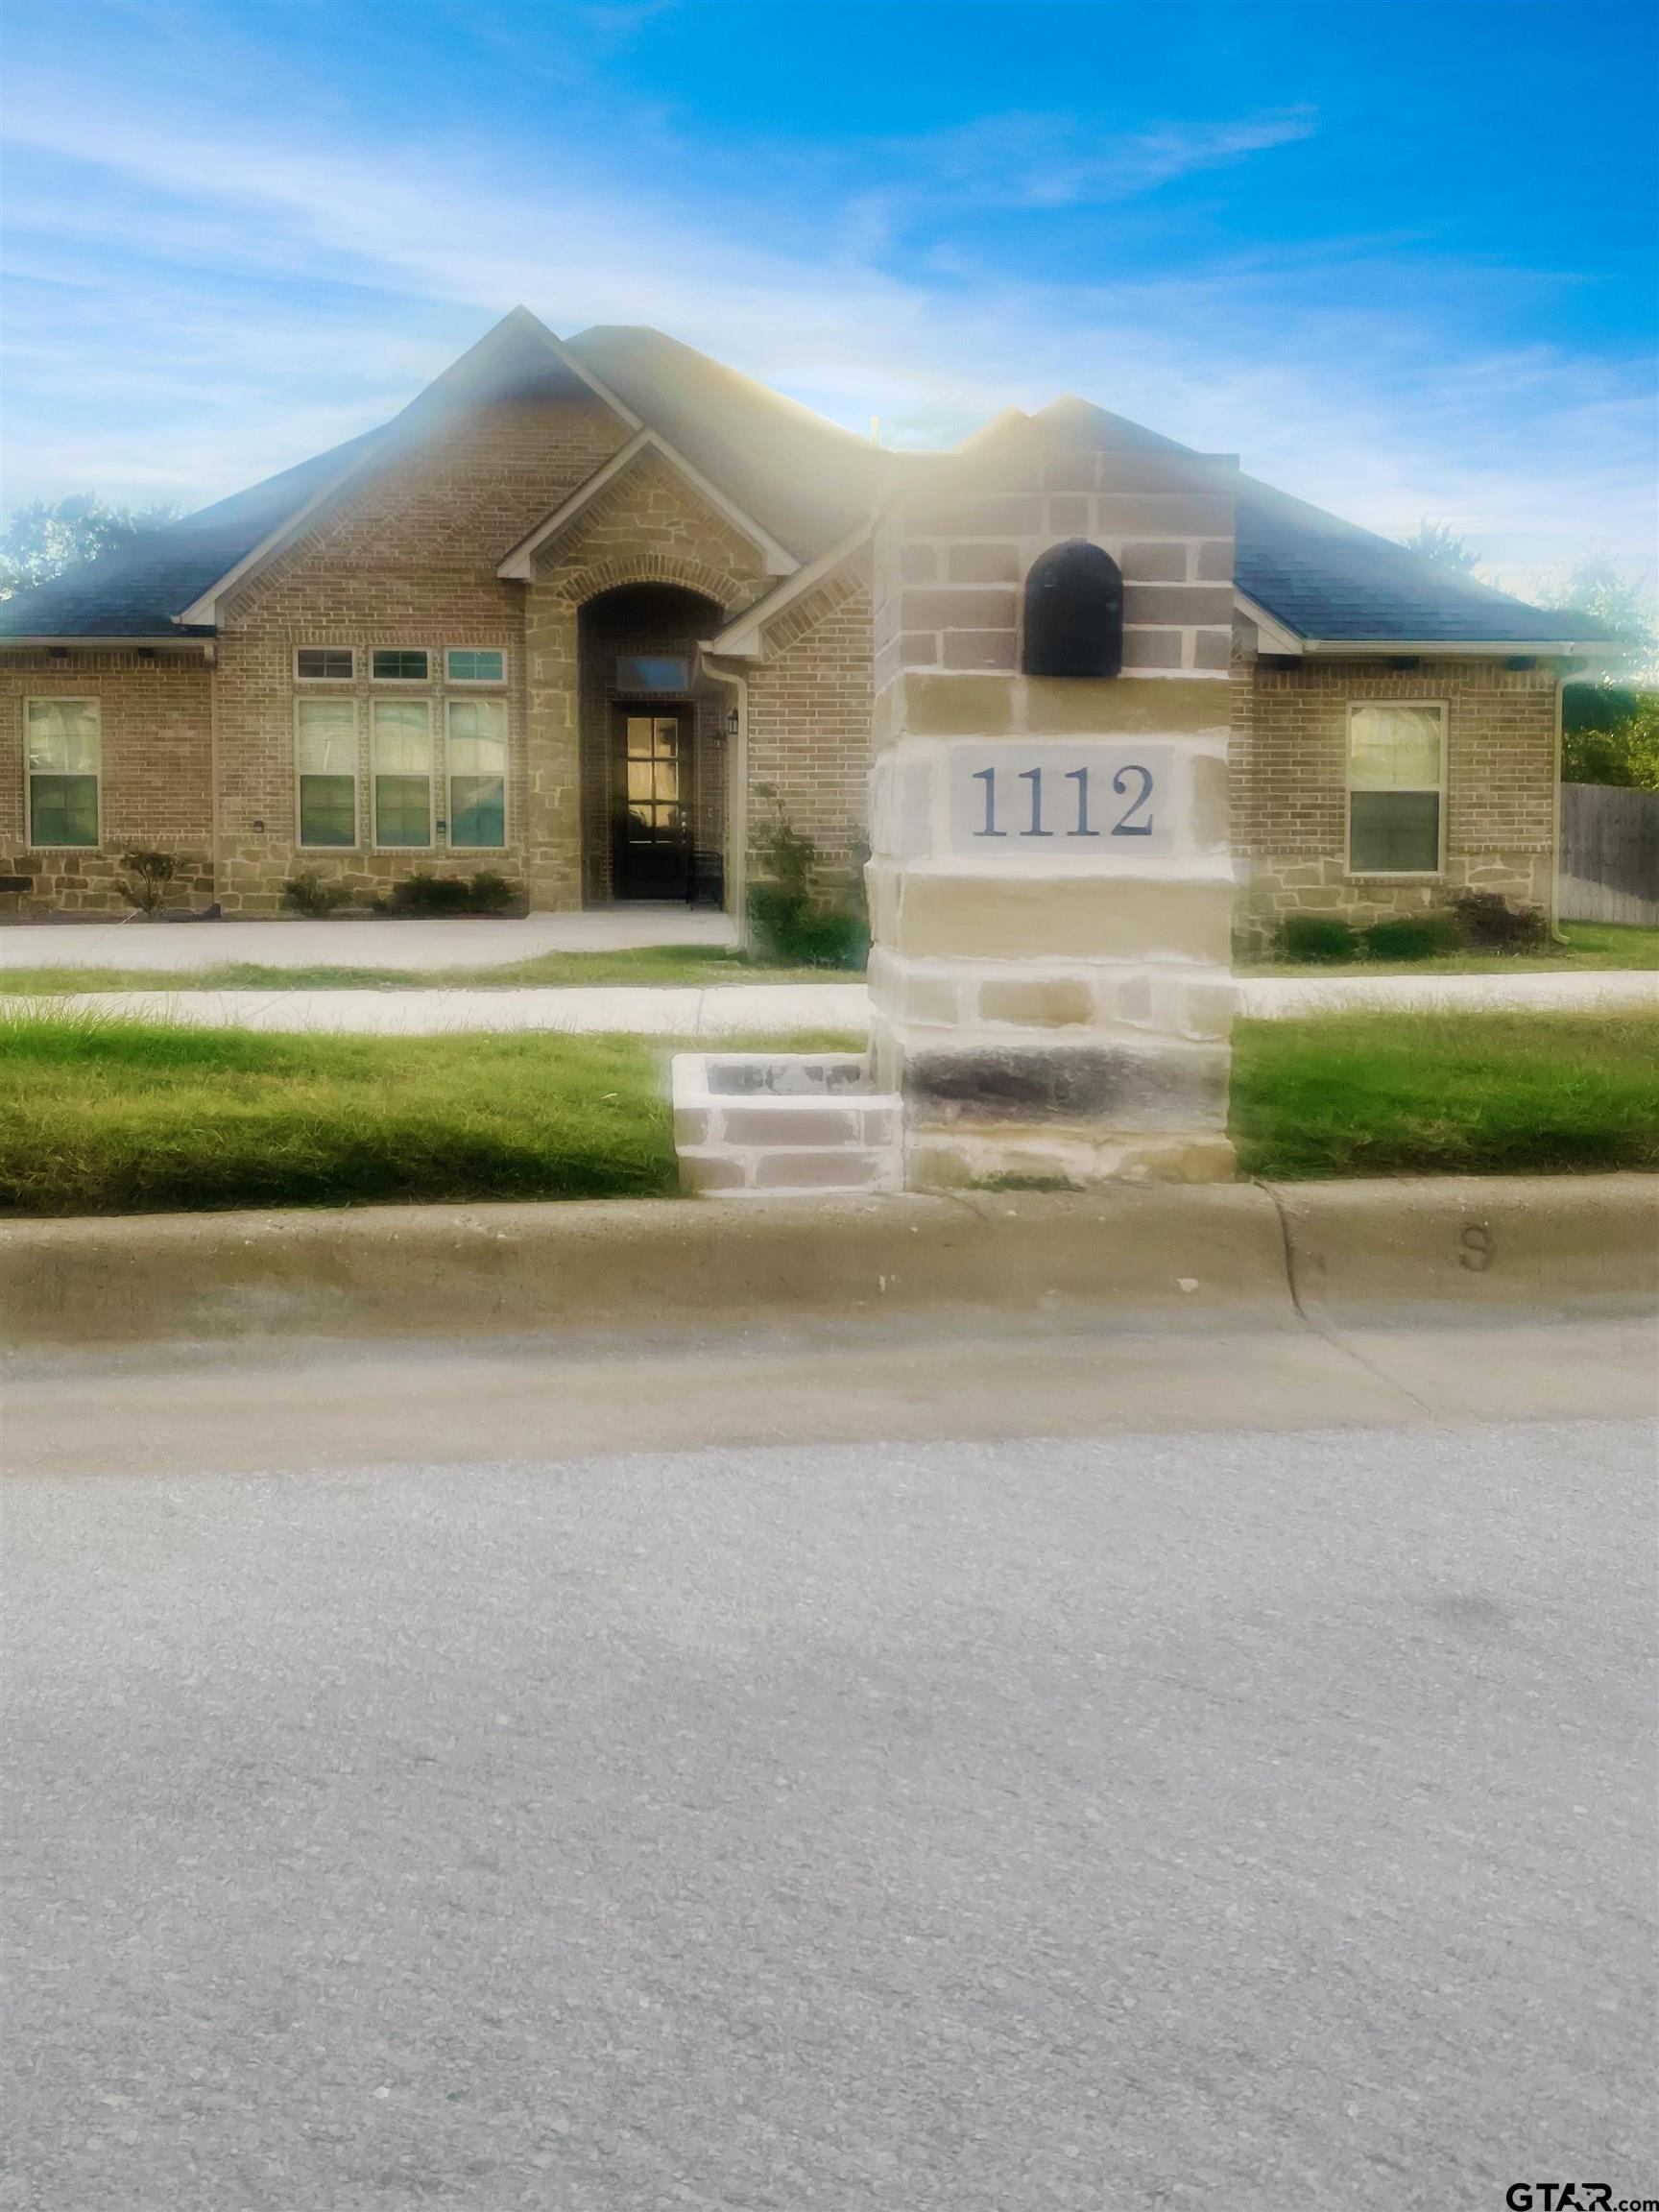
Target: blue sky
(1401,257)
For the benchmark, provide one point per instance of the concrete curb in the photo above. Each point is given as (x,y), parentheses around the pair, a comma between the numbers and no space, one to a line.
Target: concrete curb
(1155,1256)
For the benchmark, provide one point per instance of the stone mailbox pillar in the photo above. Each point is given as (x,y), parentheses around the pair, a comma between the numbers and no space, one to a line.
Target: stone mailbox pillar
(1050,885)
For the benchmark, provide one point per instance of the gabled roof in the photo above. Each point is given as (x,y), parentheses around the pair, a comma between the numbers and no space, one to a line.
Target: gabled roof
(521,561)
(795,479)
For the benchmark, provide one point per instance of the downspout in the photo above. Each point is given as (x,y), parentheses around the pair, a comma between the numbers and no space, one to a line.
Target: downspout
(736,798)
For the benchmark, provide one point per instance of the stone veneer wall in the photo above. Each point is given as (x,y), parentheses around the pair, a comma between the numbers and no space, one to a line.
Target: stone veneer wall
(648,527)
(1289,789)
(1052,1012)
(157,789)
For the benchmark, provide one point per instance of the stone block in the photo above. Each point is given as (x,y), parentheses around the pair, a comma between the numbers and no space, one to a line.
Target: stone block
(970,917)
(1152,648)
(791,1125)
(1001,514)
(1068,514)
(1215,562)
(1182,603)
(942,609)
(919,563)
(845,1170)
(976,563)
(1036,1002)
(1119,1087)
(979,649)
(1118,706)
(692,1125)
(1127,514)
(1212,649)
(711,1171)
(1159,562)
(1211,802)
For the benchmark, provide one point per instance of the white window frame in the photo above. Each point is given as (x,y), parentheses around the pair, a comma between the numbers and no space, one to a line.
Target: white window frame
(356,844)
(447,793)
(476,683)
(349,650)
(432,839)
(90,699)
(411,682)
(1352,875)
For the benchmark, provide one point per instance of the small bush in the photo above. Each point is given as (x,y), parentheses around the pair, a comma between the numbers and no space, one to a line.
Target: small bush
(1487,921)
(309,894)
(145,887)
(1413,936)
(1320,937)
(792,923)
(425,894)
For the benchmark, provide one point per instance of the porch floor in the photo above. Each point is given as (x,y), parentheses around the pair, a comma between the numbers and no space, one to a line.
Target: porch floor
(174,948)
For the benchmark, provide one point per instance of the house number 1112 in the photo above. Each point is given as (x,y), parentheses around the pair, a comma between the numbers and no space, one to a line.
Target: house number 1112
(1132,781)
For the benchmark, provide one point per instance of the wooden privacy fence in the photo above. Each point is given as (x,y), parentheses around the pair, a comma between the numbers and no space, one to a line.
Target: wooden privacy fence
(1609,854)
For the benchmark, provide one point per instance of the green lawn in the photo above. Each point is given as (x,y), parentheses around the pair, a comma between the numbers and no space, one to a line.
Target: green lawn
(690,967)
(1589,944)
(1446,1093)
(120,1118)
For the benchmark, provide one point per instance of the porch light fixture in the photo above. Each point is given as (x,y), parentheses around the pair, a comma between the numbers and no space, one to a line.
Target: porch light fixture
(732,725)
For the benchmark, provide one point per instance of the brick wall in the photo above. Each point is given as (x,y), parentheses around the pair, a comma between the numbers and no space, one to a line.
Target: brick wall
(1289,783)
(156,778)
(809,703)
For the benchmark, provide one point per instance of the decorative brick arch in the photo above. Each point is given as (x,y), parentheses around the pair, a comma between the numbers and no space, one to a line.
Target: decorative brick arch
(577,585)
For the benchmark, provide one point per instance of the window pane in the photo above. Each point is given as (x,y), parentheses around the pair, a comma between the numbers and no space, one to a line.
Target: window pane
(1394,748)
(328,809)
(405,663)
(403,810)
(478,738)
(469,664)
(652,672)
(1390,832)
(335,662)
(478,811)
(64,810)
(325,740)
(402,737)
(63,735)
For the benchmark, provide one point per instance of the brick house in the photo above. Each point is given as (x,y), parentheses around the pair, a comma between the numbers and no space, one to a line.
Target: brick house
(595,612)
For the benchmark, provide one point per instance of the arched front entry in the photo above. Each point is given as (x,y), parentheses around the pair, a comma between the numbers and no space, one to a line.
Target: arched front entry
(654,755)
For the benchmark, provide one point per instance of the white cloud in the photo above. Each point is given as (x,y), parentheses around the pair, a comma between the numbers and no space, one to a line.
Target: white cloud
(203,294)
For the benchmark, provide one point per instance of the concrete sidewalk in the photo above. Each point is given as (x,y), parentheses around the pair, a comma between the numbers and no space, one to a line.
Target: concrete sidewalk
(477,942)
(788,1009)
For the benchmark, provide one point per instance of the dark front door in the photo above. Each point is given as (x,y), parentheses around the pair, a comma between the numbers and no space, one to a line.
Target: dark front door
(651,802)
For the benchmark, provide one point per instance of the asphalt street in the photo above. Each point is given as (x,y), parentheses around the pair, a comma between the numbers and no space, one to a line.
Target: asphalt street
(1239,1819)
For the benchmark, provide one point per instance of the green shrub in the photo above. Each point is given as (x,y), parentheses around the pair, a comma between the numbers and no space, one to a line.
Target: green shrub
(309,893)
(792,922)
(1413,936)
(424,893)
(145,886)
(492,892)
(1488,922)
(1320,937)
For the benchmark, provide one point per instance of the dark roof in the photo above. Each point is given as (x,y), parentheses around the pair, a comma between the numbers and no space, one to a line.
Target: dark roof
(805,479)
(1325,579)
(801,476)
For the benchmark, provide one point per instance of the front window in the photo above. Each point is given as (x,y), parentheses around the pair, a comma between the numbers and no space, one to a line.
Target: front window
(477,664)
(478,773)
(325,663)
(325,755)
(1396,789)
(402,748)
(399,664)
(65,744)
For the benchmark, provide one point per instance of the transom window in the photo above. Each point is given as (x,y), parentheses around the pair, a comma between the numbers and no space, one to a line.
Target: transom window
(477,767)
(325,757)
(653,672)
(477,664)
(64,743)
(403,767)
(1396,789)
(400,664)
(325,663)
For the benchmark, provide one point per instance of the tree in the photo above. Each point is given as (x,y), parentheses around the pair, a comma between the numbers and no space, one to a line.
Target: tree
(44,539)
(1595,588)
(1439,542)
